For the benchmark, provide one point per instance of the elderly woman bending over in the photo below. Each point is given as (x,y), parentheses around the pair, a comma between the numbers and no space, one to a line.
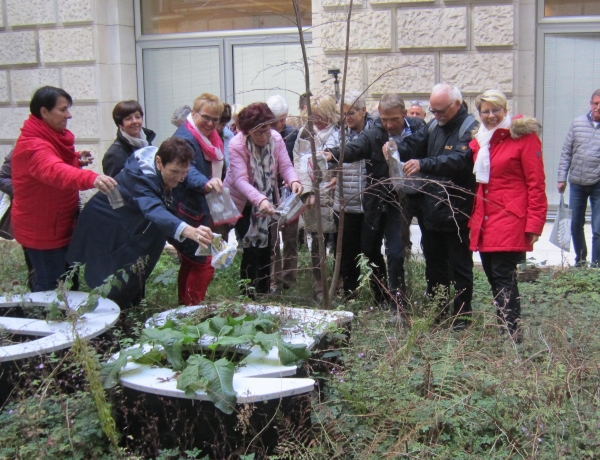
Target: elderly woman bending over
(510,204)
(257,155)
(108,240)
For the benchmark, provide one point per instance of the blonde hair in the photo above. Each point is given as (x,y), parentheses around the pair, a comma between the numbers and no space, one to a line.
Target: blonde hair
(494,96)
(207,99)
(325,107)
(235,111)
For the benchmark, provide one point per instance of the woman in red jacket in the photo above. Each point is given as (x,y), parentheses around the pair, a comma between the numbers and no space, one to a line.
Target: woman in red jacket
(510,204)
(47,177)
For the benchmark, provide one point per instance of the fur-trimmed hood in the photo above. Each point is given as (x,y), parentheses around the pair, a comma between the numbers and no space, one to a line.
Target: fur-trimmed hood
(520,126)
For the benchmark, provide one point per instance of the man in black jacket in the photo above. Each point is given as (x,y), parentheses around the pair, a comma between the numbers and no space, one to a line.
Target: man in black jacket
(382,211)
(441,151)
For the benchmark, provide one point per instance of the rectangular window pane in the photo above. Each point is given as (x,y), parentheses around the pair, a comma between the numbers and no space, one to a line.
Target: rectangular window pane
(572,8)
(177,16)
(174,77)
(260,71)
(571,75)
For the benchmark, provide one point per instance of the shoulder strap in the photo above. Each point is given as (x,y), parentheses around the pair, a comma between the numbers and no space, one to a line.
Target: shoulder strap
(465,125)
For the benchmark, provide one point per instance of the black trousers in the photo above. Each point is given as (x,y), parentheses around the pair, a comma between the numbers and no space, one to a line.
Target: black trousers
(256,262)
(501,271)
(449,259)
(351,248)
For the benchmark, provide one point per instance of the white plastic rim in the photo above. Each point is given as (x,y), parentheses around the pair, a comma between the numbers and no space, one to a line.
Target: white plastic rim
(54,335)
(261,377)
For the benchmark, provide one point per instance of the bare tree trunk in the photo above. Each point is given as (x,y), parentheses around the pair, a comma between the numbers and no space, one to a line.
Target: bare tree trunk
(318,174)
(340,176)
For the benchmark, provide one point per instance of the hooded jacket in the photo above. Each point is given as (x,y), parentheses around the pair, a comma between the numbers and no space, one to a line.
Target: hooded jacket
(580,156)
(117,154)
(108,240)
(446,161)
(46,179)
(514,202)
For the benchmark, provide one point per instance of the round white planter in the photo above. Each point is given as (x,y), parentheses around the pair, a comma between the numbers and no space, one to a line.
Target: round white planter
(54,335)
(260,376)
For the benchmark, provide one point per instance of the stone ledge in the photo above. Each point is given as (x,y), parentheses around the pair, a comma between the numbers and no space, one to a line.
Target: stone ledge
(432,27)
(342,3)
(370,30)
(410,74)
(494,70)
(30,12)
(18,48)
(493,25)
(24,82)
(67,45)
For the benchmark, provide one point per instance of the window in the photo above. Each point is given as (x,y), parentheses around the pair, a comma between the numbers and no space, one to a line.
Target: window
(571,8)
(177,16)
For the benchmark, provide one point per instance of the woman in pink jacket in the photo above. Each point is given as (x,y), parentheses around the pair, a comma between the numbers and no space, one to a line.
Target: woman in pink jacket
(510,204)
(256,155)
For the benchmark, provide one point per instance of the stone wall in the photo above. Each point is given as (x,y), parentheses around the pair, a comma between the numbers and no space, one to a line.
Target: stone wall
(86,47)
(408,46)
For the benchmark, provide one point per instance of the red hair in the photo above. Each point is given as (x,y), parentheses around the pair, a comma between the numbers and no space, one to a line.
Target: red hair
(253,116)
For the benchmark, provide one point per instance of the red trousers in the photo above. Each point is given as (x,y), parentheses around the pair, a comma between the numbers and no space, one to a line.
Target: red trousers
(193,280)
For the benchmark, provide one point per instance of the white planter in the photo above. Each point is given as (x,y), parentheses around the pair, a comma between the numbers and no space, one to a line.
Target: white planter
(55,335)
(260,375)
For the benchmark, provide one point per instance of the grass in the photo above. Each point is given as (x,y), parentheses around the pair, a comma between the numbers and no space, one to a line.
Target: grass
(416,390)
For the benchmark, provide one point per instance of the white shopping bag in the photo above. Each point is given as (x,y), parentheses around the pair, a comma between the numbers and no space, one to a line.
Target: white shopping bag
(561,231)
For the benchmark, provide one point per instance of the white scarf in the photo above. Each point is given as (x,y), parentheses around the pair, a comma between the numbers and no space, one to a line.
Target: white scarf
(481,169)
(137,142)
(216,166)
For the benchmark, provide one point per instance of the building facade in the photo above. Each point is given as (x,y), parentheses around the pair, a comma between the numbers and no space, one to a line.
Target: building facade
(544,54)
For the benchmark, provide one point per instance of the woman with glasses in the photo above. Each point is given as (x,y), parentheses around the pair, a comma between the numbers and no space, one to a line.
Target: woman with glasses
(325,118)
(205,176)
(257,154)
(510,203)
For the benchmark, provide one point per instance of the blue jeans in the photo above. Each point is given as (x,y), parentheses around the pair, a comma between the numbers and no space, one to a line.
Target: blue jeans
(48,265)
(578,203)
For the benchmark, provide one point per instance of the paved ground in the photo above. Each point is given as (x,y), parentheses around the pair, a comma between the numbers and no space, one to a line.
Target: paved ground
(543,250)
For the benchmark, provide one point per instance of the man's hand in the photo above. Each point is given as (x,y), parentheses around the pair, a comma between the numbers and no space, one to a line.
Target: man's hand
(386,151)
(411,167)
(296,187)
(104,183)
(203,235)
(331,184)
(327,154)
(562,186)
(213,184)
(310,201)
(85,158)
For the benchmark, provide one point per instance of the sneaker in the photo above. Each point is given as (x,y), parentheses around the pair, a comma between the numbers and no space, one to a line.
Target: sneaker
(460,324)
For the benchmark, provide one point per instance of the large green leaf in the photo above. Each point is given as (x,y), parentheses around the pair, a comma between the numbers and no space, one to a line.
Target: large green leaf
(289,353)
(229,341)
(172,342)
(109,372)
(214,378)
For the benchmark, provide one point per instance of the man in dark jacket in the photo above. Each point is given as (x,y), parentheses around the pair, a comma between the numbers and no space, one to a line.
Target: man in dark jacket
(382,212)
(440,151)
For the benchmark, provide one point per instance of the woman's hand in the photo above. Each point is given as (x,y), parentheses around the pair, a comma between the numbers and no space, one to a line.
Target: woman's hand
(327,154)
(332,183)
(310,201)
(85,158)
(532,238)
(104,183)
(214,184)
(296,187)
(203,235)
(266,208)
(561,186)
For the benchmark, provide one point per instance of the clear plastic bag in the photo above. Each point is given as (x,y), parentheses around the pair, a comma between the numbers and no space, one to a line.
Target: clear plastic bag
(395,166)
(289,210)
(222,253)
(222,208)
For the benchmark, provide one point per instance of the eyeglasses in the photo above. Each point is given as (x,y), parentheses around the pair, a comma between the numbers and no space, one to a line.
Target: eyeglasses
(440,111)
(494,111)
(208,119)
(419,103)
(261,133)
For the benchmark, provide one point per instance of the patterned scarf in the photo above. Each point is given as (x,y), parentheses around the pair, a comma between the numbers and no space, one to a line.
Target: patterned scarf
(262,166)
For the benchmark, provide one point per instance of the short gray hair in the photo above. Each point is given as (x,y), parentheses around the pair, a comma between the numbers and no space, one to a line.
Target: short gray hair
(356,99)
(278,105)
(391,101)
(451,90)
(180,115)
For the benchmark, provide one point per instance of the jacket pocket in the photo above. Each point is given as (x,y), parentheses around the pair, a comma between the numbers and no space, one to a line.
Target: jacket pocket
(515,209)
(188,216)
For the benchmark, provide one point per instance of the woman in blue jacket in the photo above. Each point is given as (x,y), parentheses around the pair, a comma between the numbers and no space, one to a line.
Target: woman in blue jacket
(132,237)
